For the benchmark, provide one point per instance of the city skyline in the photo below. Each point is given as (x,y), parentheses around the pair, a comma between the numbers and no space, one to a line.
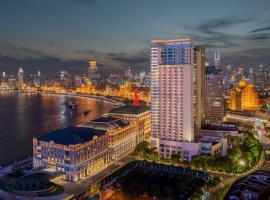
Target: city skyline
(64,35)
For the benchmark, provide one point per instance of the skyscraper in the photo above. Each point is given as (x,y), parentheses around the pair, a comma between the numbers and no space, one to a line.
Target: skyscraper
(92,72)
(217,60)
(3,77)
(172,96)
(20,77)
(199,74)
(214,105)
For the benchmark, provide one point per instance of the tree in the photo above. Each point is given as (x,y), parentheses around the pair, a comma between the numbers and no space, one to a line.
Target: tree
(17,171)
(168,190)
(175,158)
(154,190)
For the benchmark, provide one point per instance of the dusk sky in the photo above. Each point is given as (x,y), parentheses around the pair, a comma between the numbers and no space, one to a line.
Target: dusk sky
(53,35)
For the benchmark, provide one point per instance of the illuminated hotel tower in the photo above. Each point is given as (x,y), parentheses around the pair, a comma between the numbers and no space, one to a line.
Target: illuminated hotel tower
(172,96)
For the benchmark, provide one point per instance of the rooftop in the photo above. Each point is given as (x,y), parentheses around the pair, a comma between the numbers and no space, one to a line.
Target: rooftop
(168,41)
(213,70)
(71,135)
(130,109)
(105,123)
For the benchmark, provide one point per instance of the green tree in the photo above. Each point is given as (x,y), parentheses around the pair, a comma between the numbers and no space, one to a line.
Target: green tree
(168,190)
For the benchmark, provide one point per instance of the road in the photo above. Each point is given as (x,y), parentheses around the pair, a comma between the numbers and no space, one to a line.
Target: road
(83,185)
(263,165)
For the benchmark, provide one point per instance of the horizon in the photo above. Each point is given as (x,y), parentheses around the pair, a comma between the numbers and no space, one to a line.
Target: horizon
(63,35)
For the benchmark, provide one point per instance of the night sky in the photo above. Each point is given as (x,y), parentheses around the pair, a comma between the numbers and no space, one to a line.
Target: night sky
(53,35)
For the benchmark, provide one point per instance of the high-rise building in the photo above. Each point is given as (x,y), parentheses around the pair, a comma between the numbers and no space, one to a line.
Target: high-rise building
(36,80)
(92,71)
(172,116)
(65,79)
(213,105)
(199,73)
(12,83)
(217,60)
(3,77)
(20,77)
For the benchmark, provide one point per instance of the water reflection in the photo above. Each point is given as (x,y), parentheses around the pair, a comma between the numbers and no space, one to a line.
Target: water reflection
(23,116)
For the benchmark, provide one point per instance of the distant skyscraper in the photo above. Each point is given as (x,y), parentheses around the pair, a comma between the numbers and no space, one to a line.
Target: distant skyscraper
(92,65)
(12,82)
(214,106)
(20,77)
(251,74)
(92,71)
(217,60)
(199,74)
(65,79)
(172,98)
(37,79)
(3,77)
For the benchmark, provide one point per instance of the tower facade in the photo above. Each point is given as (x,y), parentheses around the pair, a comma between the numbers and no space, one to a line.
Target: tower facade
(20,77)
(172,118)
(214,105)
(217,60)
(199,74)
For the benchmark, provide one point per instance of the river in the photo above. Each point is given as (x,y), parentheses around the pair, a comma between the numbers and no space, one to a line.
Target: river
(24,116)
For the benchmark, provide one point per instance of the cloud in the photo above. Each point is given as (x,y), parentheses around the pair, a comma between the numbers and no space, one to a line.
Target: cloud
(125,58)
(47,65)
(11,56)
(212,33)
(212,25)
(84,2)
(9,49)
(260,37)
(248,57)
(118,60)
(267,28)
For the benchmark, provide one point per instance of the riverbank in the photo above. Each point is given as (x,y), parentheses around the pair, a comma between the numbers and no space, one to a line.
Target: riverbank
(98,97)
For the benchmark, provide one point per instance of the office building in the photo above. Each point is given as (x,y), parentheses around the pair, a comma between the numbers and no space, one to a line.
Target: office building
(93,71)
(214,103)
(217,60)
(199,74)
(65,79)
(20,77)
(12,83)
(172,109)
(3,77)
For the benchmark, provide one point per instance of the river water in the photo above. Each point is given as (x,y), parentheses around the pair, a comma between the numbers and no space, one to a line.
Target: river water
(24,116)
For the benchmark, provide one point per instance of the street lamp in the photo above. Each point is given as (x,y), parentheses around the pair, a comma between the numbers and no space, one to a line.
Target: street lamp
(242,162)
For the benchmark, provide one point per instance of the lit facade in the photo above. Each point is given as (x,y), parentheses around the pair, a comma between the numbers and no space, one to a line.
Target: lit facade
(214,89)
(79,151)
(172,109)
(93,71)
(213,146)
(244,97)
(138,114)
(199,74)
(20,77)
